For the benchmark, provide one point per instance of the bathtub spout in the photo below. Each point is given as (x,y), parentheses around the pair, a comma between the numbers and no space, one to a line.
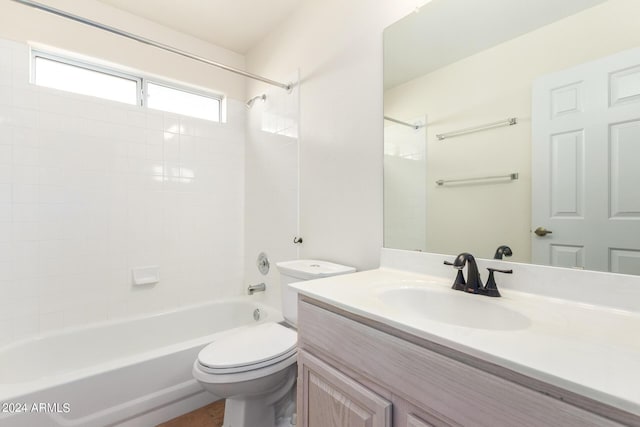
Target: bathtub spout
(260,287)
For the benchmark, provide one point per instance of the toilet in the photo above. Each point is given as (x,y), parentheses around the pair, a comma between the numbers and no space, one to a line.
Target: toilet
(255,368)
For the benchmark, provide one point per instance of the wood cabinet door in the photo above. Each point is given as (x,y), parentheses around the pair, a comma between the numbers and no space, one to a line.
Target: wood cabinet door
(329,398)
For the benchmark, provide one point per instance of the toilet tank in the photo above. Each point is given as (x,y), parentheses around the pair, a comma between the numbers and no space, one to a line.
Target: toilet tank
(301,270)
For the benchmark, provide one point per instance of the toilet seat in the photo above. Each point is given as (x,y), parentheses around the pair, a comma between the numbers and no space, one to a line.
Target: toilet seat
(248,367)
(256,347)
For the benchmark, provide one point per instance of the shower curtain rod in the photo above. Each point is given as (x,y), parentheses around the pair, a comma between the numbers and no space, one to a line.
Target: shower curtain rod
(40,6)
(391,119)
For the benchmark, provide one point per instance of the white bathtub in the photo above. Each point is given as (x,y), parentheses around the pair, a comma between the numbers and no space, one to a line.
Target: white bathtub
(135,372)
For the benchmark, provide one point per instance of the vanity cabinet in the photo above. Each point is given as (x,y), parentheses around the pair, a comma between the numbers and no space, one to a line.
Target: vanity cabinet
(355,372)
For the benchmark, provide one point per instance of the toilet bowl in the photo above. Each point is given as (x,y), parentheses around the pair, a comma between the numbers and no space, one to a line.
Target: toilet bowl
(254,369)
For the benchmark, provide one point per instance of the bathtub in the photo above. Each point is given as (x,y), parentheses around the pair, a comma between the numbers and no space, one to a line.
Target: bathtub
(132,372)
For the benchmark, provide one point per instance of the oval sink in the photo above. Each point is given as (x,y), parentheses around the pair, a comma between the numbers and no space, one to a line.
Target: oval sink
(453,307)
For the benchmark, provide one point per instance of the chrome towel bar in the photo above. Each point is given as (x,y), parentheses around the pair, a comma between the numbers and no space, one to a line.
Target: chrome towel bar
(508,122)
(510,177)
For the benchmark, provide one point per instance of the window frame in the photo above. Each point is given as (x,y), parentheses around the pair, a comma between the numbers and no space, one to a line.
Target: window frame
(141,81)
(181,88)
(86,66)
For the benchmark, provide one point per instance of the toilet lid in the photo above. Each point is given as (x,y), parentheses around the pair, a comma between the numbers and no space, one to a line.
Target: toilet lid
(250,348)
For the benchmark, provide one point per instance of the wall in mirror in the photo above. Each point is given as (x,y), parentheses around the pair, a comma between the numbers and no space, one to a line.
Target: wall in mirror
(405,184)
(552,67)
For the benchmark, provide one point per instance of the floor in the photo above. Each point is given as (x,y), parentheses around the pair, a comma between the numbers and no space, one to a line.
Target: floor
(207,416)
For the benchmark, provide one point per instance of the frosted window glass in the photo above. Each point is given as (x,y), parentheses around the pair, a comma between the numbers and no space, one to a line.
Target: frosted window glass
(80,80)
(181,102)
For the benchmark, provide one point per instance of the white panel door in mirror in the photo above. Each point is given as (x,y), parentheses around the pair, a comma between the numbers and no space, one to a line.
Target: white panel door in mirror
(567,256)
(601,134)
(567,174)
(566,100)
(625,261)
(625,173)
(625,86)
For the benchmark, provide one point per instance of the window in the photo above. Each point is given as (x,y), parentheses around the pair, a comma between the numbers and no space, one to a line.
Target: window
(88,79)
(161,97)
(75,78)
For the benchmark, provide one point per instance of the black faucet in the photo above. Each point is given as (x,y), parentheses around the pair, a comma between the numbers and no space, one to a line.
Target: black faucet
(473,284)
(502,250)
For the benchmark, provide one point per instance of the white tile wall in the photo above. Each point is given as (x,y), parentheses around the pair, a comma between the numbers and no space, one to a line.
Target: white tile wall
(271,186)
(90,189)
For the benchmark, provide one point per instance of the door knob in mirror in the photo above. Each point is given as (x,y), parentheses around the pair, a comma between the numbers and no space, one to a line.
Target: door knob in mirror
(541,231)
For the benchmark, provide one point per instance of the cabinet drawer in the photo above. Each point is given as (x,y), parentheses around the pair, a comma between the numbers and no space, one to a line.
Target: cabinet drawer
(413,421)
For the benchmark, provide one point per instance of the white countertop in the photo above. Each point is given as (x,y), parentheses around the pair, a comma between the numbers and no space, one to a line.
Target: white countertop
(588,349)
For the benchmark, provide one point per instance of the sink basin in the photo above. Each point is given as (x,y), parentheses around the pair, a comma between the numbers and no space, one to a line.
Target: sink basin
(452,307)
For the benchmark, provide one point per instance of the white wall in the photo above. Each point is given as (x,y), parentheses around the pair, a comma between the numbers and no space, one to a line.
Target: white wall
(490,86)
(90,189)
(337,46)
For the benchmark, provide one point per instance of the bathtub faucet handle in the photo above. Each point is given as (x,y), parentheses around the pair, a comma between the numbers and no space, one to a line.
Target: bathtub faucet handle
(260,287)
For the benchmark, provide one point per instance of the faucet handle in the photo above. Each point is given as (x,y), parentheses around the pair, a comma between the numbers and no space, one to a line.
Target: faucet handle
(491,289)
(499,270)
(459,283)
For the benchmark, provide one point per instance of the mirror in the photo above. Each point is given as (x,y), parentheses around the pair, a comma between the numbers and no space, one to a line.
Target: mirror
(503,116)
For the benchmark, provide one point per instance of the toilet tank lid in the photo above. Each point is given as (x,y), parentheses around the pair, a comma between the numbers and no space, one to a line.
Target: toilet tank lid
(308,269)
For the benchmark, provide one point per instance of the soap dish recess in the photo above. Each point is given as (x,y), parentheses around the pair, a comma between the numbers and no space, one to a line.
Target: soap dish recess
(148,275)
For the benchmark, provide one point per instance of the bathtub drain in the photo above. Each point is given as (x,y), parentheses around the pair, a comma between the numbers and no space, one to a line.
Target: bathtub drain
(256,314)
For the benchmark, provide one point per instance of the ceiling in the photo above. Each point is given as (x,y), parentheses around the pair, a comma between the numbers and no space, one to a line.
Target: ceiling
(236,25)
(445,31)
